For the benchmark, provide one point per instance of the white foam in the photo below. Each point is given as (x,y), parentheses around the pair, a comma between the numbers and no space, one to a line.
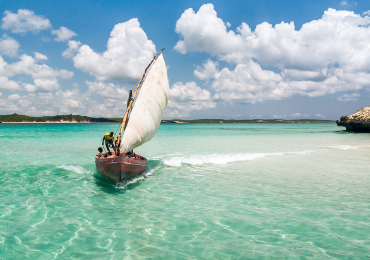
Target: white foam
(342,147)
(76,169)
(216,158)
(122,185)
(149,173)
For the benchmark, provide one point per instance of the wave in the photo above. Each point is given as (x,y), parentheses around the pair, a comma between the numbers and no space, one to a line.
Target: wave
(220,158)
(122,185)
(342,147)
(76,169)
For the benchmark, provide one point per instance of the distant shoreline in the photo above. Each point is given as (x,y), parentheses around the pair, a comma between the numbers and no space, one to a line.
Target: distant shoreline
(77,119)
(52,122)
(245,121)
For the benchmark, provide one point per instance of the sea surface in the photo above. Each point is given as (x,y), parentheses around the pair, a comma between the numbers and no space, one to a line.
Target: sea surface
(210,191)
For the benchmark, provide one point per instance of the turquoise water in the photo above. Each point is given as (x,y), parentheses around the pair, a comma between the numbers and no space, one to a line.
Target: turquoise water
(210,191)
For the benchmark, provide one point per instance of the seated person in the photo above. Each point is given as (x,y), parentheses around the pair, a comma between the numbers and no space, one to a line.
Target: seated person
(130,154)
(100,153)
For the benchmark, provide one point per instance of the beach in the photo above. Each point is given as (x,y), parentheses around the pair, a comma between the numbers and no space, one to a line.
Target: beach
(210,191)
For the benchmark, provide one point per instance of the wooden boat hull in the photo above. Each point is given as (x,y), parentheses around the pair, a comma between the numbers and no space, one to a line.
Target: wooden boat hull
(120,168)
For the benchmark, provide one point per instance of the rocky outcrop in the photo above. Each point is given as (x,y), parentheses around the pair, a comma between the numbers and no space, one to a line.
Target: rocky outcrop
(358,122)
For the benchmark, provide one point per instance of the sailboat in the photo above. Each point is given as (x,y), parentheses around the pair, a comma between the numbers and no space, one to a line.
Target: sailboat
(140,123)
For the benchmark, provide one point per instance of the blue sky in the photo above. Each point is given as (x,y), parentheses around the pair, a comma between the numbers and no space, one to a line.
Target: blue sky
(226,59)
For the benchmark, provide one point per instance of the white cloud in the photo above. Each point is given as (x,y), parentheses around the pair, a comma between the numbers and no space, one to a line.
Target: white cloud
(204,31)
(73,47)
(186,98)
(296,114)
(319,115)
(108,90)
(100,100)
(8,46)
(346,3)
(325,56)
(189,92)
(29,87)
(339,37)
(14,96)
(208,70)
(251,83)
(44,77)
(24,21)
(39,56)
(63,34)
(351,97)
(128,53)
(5,83)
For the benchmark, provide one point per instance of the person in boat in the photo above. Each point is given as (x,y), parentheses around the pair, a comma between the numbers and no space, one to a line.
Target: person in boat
(130,153)
(116,145)
(109,138)
(129,98)
(100,153)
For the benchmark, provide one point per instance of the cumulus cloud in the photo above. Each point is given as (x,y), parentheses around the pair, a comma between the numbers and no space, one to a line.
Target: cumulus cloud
(128,53)
(204,31)
(45,103)
(251,83)
(73,47)
(8,46)
(108,90)
(338,37)
(39,56)
(296,114)
(208,70)
(5,83)
(14,96)
(100,100)
(325,56)
(24,21)
(351,97)
(63,34)
(44,77)
(186,98)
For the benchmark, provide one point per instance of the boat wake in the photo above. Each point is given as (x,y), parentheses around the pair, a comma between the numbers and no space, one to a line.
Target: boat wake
(342,147)
(220,158)
(75,169)
(124,184)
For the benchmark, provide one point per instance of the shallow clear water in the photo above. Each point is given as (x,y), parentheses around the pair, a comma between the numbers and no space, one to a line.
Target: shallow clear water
(210,191)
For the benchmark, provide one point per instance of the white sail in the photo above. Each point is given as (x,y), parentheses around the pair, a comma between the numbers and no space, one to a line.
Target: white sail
(149,107)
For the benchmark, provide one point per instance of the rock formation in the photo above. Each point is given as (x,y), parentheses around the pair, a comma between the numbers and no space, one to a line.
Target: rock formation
(358,122)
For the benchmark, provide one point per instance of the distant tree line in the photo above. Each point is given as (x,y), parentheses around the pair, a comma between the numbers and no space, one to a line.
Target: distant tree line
(59,118)
(77,118)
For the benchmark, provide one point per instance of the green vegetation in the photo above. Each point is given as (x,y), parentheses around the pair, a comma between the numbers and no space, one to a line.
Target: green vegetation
(180,121)
(80,119)
(58,118)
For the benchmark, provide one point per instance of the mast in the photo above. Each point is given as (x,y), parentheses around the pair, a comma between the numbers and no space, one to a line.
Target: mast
(125,118)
